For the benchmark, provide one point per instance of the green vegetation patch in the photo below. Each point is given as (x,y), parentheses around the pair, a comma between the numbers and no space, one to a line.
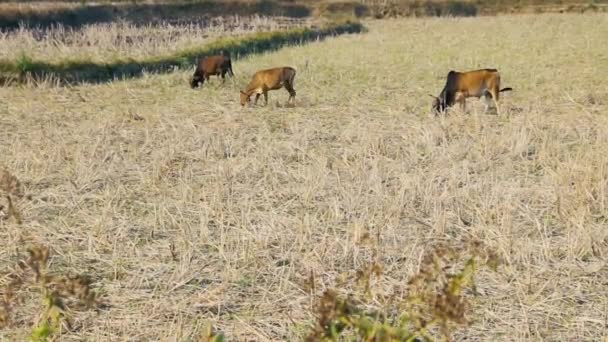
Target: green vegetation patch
(80,70)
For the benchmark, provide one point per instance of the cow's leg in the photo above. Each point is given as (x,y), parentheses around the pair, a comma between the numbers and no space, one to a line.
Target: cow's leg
(487,101)
(494,91)
(494,94)
(223,76)
(486,104)
(257,96)
(291,91)
(265,97)
(461,99)
(496,104)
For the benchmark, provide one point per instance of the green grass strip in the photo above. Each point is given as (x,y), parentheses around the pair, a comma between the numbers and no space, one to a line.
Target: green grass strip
(79,71)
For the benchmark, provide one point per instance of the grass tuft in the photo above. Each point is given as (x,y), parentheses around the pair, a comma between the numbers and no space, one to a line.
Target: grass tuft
(24,64)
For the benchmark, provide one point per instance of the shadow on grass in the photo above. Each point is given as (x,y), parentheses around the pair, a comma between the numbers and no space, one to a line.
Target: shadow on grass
(78,15)
(24,68)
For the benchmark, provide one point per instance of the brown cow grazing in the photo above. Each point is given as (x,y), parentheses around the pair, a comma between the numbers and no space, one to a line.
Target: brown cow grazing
(211,65)
(460,85)
(270,79)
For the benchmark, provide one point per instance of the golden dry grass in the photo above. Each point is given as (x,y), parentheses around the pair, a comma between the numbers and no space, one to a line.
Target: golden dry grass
(107,42)
(186,209)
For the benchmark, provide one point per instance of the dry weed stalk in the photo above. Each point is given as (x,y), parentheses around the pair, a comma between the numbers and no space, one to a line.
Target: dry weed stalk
(438,292)
(10,184)
(10,188)
(59,292)
(435,301)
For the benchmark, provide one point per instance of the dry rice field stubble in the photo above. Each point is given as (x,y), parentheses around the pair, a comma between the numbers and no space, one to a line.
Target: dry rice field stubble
(104,43)
(188,210)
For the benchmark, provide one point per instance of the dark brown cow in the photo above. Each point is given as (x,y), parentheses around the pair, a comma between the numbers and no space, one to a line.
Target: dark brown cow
(211,65)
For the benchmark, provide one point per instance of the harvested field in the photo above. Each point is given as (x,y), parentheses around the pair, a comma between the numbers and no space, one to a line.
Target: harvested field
(185,209)
(104,43)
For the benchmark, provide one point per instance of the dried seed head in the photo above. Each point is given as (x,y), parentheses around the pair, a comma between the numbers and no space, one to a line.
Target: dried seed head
(37,260)
(10,184)
(330,310)
(58,291)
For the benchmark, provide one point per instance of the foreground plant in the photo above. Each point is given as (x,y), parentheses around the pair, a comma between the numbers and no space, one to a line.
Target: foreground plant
(10,189)
(58,294)
(434,308)
(210,335)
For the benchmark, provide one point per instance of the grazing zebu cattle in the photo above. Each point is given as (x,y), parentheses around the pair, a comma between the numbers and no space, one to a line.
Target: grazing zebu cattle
(460,85)
(211,65)
(270,79)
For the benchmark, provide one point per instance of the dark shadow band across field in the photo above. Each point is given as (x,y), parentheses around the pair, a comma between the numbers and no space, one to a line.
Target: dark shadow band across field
(75,15)
(69,72)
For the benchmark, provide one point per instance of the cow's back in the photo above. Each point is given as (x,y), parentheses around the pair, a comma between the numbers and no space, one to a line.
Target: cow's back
(274,77)
(214,64)
(474,81)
